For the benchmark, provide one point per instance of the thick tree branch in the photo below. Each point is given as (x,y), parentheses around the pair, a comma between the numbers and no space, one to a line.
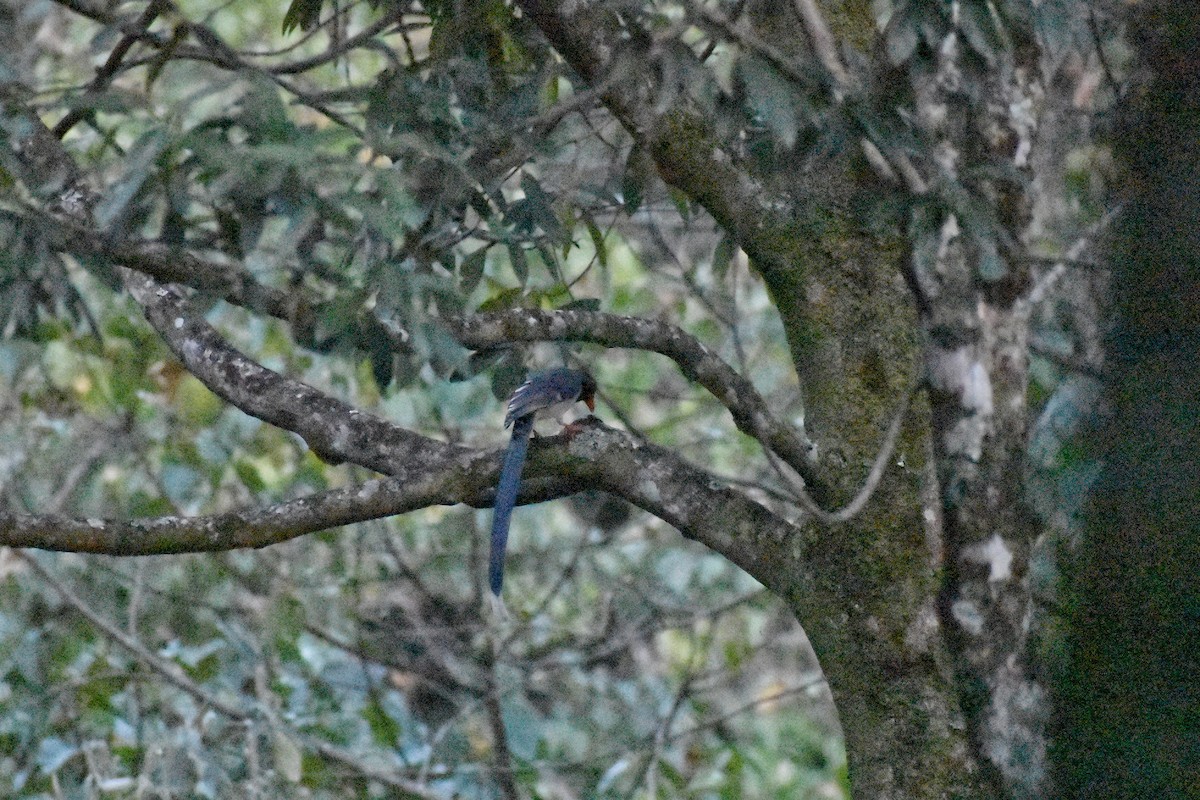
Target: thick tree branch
(425,472)
(301,309)
(688,155)
(695,360)
(333,429)
(248,527)
(595,456)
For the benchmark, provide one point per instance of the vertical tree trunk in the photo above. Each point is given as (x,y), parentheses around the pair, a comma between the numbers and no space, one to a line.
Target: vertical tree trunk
(1128,721)
(975,315)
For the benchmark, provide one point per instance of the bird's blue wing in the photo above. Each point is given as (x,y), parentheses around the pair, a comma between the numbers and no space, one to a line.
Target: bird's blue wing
(544,390)
(506,498)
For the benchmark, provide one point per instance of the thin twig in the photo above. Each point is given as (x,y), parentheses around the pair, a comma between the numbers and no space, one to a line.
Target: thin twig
(491,701)
(1109,75)
(105,75)
(169,670)
(174,674)
(871,483)
(821,39)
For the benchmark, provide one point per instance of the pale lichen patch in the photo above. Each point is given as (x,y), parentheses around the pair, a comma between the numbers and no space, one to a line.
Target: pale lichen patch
(967,615)
(995,554)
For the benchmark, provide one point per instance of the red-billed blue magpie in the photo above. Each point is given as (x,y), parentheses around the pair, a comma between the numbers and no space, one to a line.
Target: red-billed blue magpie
(547,394)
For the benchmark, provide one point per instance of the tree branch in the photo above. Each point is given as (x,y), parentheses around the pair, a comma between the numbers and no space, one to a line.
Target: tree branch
(425,472)
(334,430)
(112,65)
(247,527)
(169,265)
(695,360)
(687,153)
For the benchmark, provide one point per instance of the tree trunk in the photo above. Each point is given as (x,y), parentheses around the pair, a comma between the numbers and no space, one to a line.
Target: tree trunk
(1128,701)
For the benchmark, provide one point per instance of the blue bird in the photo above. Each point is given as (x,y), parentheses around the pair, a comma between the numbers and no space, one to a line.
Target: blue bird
(547,394)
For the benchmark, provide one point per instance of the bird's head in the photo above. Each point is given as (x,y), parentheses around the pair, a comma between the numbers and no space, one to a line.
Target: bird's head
(587,392)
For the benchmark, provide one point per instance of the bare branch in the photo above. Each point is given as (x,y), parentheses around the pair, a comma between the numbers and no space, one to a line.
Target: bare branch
(695,360)
(822,42)
(247,527)
(874,476)
(502,755)
(112,65)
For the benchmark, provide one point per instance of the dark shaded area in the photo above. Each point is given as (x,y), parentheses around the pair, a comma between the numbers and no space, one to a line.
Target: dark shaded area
(1129,705)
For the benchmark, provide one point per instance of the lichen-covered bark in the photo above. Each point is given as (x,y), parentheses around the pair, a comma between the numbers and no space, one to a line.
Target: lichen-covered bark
(851,326)
(977,362)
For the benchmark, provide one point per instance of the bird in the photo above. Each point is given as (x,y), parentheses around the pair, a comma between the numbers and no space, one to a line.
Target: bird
(548,394)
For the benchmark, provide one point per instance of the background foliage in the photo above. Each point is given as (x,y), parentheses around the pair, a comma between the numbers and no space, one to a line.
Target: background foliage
(398,163)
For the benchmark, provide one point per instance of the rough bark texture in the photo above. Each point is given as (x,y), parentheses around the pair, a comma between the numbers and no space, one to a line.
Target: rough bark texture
(926,648)
(851,325)
(977,358)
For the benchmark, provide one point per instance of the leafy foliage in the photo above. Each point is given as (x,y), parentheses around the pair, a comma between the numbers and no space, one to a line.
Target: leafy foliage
(448,163)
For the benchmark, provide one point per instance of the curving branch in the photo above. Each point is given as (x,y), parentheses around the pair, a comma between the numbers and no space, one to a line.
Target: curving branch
(334,429)
(592,456)
(111,68)
(697,362)
(427,472)
(172,265)
(688,154)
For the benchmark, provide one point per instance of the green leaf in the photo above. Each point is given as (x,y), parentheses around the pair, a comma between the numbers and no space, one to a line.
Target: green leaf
(384,729)
(772,98)
(248,472)
(723,256)
(138,163)
(980,29)
(902,36)
(504,299)
(683,203)
(264,114)
(924,231)
(508,375)
(520,264)
(470,271)
(638,167)
(165,54)
(302,14)
(540,207)
(597,237)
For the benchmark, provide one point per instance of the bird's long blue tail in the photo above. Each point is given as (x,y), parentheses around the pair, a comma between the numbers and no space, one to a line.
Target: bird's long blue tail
(506,498)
